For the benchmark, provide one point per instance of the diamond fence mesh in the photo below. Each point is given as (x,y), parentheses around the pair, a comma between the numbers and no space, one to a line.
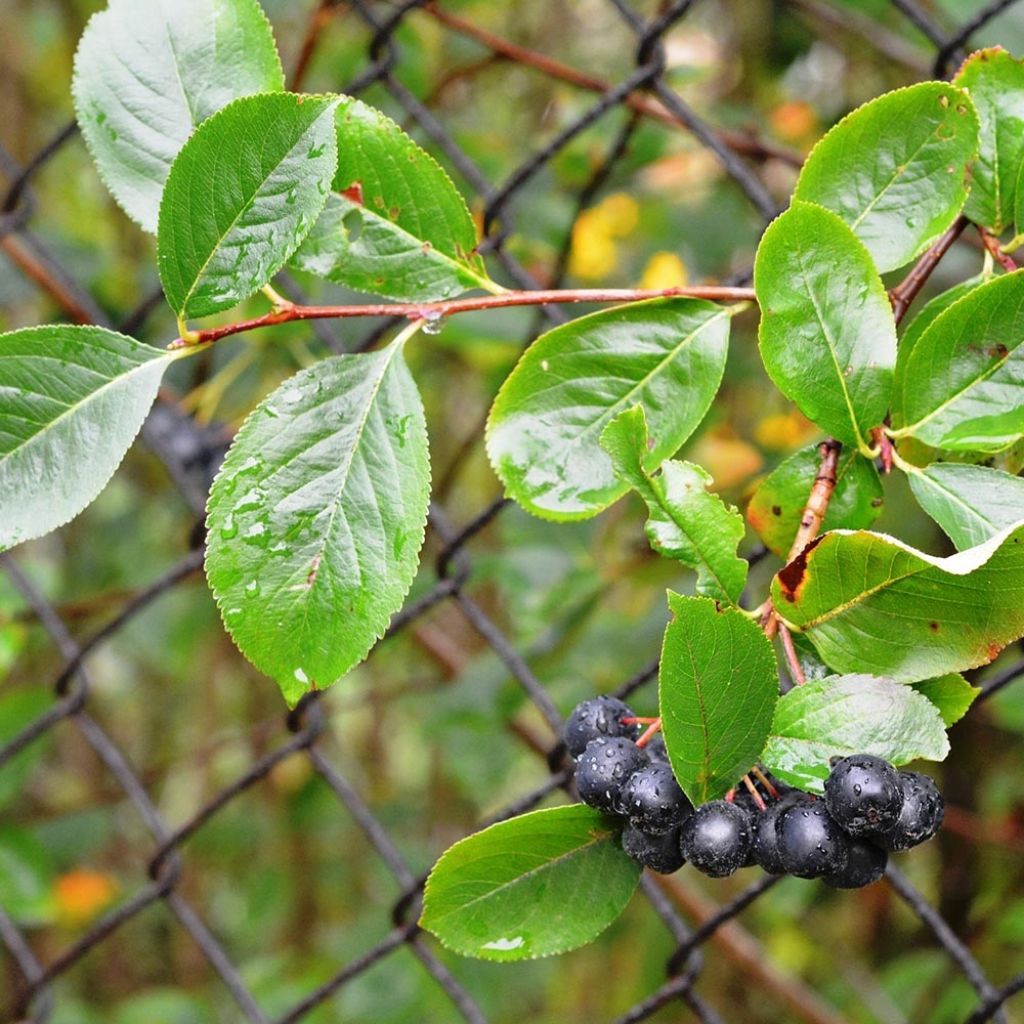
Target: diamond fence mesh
(190,452)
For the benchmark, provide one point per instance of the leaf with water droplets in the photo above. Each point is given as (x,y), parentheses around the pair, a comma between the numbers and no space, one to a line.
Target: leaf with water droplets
(394,225)
(72,400)
(241,196)
(316,519)
(147,72)
(535,885)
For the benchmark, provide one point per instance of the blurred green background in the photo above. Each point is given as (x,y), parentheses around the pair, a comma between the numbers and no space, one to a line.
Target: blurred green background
(432,731)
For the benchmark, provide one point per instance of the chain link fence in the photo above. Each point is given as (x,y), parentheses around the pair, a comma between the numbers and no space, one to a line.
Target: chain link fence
(183,446)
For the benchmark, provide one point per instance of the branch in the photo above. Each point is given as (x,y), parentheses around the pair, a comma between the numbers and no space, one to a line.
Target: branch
(434,311)
(738,142)
(906,291)
(992,245)
(817,501)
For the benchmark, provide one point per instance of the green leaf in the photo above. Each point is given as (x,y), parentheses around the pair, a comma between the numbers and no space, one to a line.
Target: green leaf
(777,506)
(17,710)
(895,169)
(539,884)
(853,714)
(827,334)
(951,694)
(717,688)
(241,196)
(995,83)
(959,388)
(26,877)
(971,503)
(869,602)
(72,400)
(316,519)
(396,226)
(686,522)
(544,429)
(147,72)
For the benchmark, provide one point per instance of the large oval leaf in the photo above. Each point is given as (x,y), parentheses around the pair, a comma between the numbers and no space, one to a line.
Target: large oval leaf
(995,83)
(687,522)
(895,169)
(535,885)
(241,196)
(72,400)
(870,603)
(717,687)
(960,387)
(828,338)
(971,503)
(544,430)
(317,517)
(777,506)
(856,714)
(396,225)
(147,72)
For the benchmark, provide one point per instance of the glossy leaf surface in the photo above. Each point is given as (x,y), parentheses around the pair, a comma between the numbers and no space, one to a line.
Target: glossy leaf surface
(827,334)
(317,516)
(544,430)
(241,196)
(535,885)
(147,72)
(951,694)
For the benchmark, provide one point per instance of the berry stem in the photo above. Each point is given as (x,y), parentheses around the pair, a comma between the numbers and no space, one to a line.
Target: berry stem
(637,720)
(651,731)
(765,781)
(752,790)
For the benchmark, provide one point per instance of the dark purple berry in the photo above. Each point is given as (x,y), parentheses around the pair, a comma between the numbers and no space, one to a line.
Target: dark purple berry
(765,843)
(863,795)
(715,839)
(865,864)
(811,844)
(656,749)
(660,853)
(922,813)
(653,801)
(598,716)
(603,769)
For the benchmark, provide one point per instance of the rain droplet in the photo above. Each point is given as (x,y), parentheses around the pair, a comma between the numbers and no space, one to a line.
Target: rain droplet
(433,323)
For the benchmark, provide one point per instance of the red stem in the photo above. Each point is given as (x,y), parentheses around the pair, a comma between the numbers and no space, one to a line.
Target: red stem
(652,730)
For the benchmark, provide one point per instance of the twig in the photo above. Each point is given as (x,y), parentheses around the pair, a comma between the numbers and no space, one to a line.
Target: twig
(795,668)
(321,17)
(906,291)
(991,243)
(434,311)
(817,501)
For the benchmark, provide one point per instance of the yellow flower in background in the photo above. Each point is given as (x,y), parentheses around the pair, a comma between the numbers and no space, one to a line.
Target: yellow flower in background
(594,252)
(664,270)
(784,431)
(82,894)
(620,214)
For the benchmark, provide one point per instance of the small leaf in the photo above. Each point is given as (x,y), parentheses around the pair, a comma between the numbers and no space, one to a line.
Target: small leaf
(971,503)
(717,687)
(543,433)
(870,602)
(778,504)
(959,388)
(317,516)
(147,72)
(241,196)
(395,225)
(536,885)
(895,169)
(827,334)
(854,714)
(995,83)
(72,400)
(951,694)
(686,522)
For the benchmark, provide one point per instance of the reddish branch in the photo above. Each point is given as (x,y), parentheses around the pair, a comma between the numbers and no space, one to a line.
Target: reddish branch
(435,310)
(817,501)
(992,245)
(906,291)
(739,142)
(321,17)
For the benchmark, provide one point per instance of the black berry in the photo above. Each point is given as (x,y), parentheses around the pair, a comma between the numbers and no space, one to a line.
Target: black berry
(811,844)
(863,794)
(599,716)
(602,771)
(765,843)
(922,813)
(715,839)
(653,801)
(865,864)
(660,853)
(656,750)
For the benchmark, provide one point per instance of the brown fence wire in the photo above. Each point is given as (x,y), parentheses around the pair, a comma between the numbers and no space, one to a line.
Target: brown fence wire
(183,445)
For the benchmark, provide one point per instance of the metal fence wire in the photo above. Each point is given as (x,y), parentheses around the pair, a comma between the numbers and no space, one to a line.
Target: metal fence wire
(182,445)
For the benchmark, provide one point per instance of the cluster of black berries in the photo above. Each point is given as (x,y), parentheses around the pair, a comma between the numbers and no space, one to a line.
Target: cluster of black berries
(845,839)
